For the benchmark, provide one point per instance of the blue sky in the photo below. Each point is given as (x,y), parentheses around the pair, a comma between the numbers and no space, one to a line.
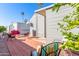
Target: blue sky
(11,12)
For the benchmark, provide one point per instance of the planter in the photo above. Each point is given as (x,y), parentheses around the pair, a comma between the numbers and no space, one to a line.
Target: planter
(75,51)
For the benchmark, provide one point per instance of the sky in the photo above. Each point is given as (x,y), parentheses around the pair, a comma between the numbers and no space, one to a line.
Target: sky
(11,12)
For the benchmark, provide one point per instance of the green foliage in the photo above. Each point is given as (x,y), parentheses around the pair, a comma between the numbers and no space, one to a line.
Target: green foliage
(2,28)
(69,22)
(58,5)
(71,45)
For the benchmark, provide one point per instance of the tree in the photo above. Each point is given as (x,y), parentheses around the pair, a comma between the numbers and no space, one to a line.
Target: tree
(2,28)
(69,22)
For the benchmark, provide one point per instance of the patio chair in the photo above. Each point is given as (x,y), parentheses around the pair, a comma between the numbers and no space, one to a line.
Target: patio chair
(51,49)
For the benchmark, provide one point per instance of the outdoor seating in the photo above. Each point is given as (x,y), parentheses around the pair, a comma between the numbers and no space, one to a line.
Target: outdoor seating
(51,49)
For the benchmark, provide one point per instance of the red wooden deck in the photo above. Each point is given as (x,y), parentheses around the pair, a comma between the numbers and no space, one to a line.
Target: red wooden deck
(22,48)
(3,49)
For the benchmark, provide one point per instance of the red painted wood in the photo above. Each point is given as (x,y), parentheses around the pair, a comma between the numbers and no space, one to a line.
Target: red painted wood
(19,48)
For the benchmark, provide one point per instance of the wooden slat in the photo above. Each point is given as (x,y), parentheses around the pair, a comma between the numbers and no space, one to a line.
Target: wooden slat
(12,49)
(24,48)
(18,48)
(42,12)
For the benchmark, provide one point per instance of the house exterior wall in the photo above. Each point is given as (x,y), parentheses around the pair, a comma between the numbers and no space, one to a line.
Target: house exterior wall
(13,26)
(22,27)
(52,19)
(33,21)
(40,25)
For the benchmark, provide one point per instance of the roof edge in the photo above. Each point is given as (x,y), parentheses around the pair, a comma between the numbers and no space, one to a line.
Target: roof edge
(44,8)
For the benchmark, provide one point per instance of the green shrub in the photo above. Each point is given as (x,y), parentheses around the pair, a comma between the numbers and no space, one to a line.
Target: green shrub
(69,22)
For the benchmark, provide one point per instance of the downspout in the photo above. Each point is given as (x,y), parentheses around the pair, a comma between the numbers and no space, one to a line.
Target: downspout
(36,25)
(45,26)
